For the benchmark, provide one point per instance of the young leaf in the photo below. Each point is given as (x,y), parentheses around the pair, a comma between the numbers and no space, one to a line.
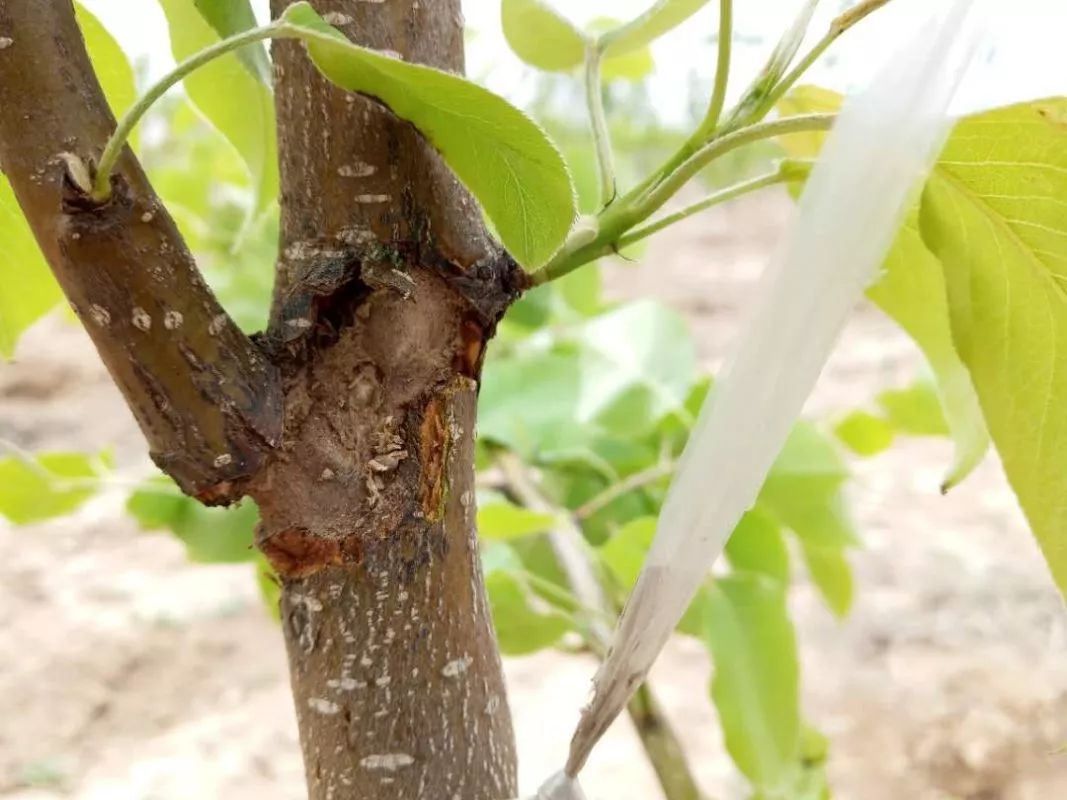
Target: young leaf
(499,153)
(27,289)
(662,17)
(912,292)
(994,215)
(228,17)
(524,623)
(540,36)
(756,682)
(624,553)
(500,520)
(914,410)
(864,433)
(757,545)
(234,100)
(210,535)
(832,576)
(44,486)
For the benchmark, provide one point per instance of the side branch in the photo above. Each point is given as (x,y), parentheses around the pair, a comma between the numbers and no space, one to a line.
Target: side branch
(205,396)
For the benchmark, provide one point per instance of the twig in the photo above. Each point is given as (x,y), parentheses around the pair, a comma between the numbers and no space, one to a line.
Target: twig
(632,482)
(660,742)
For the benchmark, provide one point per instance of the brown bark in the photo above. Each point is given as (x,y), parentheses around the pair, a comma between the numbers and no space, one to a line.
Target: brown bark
(207,399)
(351,421)
(387,290)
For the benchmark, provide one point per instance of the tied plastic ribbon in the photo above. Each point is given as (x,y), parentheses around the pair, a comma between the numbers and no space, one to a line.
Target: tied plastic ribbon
(883,144)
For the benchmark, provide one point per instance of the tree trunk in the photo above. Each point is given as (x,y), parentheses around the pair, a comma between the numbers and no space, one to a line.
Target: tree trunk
(388,289)
(350,421)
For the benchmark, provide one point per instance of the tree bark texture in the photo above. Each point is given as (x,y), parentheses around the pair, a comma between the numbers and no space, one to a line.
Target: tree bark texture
(350,421)
(206,397)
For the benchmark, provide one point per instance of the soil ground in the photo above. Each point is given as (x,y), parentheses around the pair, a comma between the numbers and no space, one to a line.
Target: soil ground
(128,674)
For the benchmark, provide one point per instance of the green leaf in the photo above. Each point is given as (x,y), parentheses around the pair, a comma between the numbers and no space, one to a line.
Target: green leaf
(230,96)
(756,683)
(540,36)
(662,17)
(35,488)
(864,433)
(912,292)
(545,39)
(110,64)
(529,402)
(638,363)
(501,520)
(914,410)
(524,622)
(803,489)
(832,576)
(993,213)
(624,553)
(210,535)
(229,17)
(499,153)
(27,291)
(757,545)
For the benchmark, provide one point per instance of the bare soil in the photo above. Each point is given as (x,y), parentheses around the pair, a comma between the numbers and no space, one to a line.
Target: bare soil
(128,674)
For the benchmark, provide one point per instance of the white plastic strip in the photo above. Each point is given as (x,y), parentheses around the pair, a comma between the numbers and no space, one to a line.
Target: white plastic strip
(881,147)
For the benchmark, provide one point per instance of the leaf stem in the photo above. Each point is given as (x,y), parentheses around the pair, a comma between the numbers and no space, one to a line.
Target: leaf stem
(713,199)
(639,204)
(722,70)
(631,483)
(594,98)
(838,26)
(113,149)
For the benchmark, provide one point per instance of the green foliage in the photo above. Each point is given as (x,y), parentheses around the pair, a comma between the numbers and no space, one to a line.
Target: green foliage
(35,292)
(662,17)
(993,214)
(545,39)
(542,37)
(35,488)
(524,622)
(500,520)
(28,290)
(625,552)
(210,535)
(228,17)
(505,159)
(912,411)
(756,683)
(229,94)
(864,433)
(758,545)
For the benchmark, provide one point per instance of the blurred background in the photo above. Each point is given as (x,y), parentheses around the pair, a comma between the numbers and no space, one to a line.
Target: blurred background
(128,672)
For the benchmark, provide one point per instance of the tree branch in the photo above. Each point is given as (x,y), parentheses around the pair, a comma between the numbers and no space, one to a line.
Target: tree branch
(206,398)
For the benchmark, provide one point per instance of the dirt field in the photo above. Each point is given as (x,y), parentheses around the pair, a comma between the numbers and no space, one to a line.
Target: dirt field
(127,674)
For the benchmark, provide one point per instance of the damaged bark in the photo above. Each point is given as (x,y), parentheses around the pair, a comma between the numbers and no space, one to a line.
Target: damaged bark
(350,421)
(388,288)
